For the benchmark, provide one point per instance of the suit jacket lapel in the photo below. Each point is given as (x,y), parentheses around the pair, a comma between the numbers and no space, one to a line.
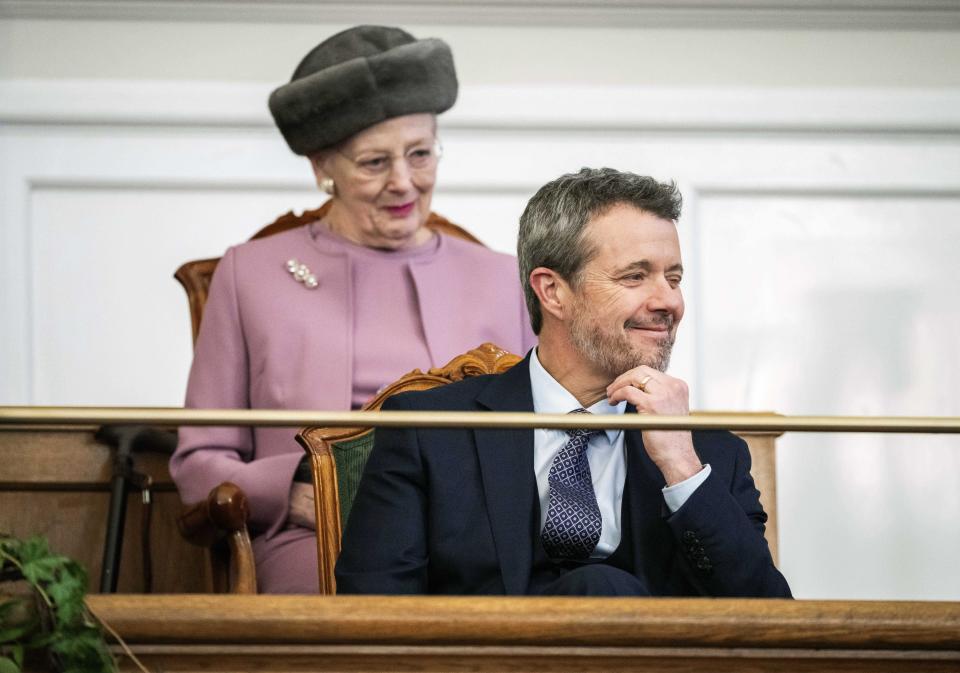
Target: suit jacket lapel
(509,484)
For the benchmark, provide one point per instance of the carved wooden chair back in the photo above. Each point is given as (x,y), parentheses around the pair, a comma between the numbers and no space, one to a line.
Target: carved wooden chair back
(195,276)
(338,455)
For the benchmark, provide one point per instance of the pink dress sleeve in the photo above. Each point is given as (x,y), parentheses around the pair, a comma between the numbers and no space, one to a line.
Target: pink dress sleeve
(219,379)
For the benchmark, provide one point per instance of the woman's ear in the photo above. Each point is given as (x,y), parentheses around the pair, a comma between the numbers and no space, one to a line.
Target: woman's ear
(319,162)
(552,291)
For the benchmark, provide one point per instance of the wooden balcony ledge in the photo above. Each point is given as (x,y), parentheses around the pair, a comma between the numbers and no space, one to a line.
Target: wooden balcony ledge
(372,633)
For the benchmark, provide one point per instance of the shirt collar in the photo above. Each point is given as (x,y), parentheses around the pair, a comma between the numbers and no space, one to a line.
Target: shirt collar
(550,397)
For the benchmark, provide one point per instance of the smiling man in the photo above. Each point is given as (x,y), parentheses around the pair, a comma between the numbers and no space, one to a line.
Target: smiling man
(551,512)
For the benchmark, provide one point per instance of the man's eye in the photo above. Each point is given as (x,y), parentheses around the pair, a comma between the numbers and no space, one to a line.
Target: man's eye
(674,281)
(634,277)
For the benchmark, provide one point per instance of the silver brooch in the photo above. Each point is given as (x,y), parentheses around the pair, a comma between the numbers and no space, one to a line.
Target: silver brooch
(302,274)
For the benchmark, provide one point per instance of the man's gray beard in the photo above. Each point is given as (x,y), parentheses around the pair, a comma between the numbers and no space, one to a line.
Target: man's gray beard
(613,353)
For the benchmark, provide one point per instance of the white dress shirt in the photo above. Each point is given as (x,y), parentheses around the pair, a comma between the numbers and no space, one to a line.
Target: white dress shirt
(606,454)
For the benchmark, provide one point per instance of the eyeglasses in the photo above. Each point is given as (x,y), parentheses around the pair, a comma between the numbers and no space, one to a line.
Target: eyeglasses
(419,159)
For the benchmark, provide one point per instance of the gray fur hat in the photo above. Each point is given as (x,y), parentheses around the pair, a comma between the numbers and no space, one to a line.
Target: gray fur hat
(360,77)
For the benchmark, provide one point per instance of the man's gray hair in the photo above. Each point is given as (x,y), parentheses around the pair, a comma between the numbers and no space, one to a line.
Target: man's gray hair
(553,225)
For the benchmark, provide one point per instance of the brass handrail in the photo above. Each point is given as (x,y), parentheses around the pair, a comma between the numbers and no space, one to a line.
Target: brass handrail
(741,422)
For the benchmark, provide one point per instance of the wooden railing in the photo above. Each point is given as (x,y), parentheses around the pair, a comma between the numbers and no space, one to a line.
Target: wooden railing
(343,633)
(747,422)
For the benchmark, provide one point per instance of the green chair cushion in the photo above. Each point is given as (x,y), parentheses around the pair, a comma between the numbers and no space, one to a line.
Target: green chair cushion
(350,456)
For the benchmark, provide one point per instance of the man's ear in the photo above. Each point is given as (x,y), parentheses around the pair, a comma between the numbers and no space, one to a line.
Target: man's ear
(552,291)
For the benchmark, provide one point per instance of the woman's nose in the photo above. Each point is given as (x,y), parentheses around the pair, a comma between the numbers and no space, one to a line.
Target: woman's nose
(400,178)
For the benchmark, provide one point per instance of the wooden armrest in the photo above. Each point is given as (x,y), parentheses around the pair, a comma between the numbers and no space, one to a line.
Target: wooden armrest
(219,523)
(225,511)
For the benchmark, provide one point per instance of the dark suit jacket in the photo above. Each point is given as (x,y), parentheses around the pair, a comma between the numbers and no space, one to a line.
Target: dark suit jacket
(456,511)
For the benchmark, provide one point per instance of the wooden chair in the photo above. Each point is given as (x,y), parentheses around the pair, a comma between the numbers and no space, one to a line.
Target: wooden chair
(220,522)
(338,455)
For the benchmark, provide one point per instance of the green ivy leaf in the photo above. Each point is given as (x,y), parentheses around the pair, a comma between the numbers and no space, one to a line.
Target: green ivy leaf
(74,638)
(17,652)
(67,592)
(41,570)
(83,651)
(15,633)
(39,640)
(31,549)
(15,620)
(8,544)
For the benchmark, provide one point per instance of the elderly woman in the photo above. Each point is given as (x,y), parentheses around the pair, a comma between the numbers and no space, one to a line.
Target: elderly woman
(322,316)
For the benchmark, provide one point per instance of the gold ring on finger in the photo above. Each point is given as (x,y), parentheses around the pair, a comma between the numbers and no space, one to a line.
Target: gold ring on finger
(643,384)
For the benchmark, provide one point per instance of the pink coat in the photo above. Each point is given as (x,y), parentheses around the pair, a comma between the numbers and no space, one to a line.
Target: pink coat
(266,342)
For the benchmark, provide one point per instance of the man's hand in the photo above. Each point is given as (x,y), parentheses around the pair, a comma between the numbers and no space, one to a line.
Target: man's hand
(653,392)
(302,511)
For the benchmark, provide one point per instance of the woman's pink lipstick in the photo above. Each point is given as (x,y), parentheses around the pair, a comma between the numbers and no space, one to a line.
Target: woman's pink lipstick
(401,211)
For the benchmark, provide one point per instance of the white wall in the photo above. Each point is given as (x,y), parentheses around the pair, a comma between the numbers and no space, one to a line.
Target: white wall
(231,52)
(821,170)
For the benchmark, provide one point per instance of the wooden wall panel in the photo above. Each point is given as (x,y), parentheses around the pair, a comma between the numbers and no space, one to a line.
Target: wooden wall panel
(56,483)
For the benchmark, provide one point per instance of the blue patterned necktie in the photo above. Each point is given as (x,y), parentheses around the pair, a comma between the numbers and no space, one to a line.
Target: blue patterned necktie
(573,524)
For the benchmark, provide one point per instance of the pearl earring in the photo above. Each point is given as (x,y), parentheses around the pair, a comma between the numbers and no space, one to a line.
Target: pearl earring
(327,185)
